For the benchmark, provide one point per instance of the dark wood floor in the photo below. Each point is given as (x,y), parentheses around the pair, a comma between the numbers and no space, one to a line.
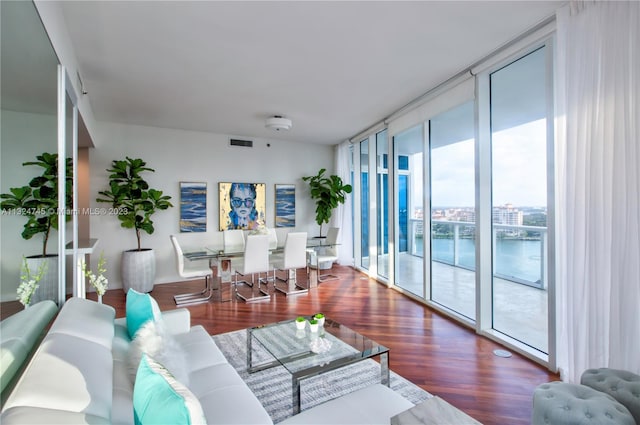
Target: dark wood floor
(436,353)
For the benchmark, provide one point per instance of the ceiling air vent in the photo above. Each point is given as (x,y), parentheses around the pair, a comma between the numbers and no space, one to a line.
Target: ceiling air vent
(241,143)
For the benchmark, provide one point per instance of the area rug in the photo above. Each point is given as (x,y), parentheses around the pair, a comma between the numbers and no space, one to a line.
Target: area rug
(273,386)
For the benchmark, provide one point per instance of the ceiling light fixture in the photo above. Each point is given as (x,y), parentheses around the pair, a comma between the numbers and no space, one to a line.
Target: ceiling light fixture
(277,122)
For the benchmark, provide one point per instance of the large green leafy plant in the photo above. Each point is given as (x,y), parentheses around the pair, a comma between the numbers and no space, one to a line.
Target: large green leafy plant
(328,192)
(131,197)
(38,201)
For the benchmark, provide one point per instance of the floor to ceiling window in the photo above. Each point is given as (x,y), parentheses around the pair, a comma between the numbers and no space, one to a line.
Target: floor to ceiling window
(453,230)
(364,203)
(519,199)
(466,228)
(382,205)
(408,149)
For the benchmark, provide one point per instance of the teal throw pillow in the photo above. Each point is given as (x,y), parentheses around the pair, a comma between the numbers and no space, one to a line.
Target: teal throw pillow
(159,399)
(139,309)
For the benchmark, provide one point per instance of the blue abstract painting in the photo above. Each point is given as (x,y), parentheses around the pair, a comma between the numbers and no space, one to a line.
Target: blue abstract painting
(193,207)
(285,205)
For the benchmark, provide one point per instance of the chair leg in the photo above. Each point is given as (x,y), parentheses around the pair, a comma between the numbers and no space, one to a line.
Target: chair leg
(183,300)
(246,282)
(292,287)
(266,281)
(192,294)
(327,276)
(260,296)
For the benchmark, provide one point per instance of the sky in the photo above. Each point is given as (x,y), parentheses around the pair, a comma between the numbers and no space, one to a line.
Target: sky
(518,169)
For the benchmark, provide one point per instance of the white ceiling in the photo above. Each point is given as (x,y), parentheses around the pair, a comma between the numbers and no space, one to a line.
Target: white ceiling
(334,68)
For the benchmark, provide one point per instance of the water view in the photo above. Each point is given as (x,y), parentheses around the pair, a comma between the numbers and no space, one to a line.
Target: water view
(516,259)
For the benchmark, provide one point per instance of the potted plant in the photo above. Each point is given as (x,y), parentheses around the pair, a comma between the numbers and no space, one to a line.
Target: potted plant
(313,325)
(99,281)
(29,282)
(328,192)
(301,322)
(319,318)
(38,203)
(135,203)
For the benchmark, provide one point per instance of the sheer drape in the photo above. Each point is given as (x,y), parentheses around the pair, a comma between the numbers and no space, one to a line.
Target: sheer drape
(343,217)
(598,186)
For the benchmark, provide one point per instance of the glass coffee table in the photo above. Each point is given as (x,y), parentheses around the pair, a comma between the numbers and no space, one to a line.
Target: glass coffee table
(305,354)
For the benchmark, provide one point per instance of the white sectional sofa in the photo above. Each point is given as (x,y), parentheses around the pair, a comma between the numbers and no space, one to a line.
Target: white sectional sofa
(79,374)
(19,334)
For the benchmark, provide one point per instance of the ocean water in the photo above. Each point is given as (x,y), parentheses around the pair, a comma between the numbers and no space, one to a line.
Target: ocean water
(519,259)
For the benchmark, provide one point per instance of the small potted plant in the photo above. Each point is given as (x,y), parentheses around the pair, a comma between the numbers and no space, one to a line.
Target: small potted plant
(319,318)
(99,282)
(29,282)
(313,325)
(301,322)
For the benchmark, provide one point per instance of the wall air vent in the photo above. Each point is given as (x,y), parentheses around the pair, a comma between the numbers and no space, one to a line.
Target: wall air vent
(241,143)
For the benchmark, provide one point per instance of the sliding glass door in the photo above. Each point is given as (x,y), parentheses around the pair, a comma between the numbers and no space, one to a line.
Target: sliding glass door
(472,202)
(364,203)
(408,148)
(519,194)
(382,204)
(453,230)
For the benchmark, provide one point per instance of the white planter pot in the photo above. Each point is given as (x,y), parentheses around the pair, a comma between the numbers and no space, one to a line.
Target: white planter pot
(138,270)
(48,285)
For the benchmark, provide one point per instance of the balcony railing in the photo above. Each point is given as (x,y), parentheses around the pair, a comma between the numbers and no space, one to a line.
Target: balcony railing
(520,252)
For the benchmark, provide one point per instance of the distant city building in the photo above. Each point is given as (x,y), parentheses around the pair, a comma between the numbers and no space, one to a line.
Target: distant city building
(507,214)
(454,214)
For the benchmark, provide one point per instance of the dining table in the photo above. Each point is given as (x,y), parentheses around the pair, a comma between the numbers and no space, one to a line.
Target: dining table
(216,253)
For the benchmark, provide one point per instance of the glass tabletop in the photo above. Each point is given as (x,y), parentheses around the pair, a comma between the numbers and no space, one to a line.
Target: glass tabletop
(213,252)
(300,351)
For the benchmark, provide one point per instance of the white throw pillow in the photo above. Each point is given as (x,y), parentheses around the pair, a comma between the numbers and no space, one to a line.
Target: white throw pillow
(154,340)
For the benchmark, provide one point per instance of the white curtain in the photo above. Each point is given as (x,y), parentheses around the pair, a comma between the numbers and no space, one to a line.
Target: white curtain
(343,217)
(598,186)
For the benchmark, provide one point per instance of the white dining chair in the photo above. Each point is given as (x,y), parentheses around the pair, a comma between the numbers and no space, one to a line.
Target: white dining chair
(254,261)
(294,257)
(273,239)
(197,270)
(329,253)
(233,240)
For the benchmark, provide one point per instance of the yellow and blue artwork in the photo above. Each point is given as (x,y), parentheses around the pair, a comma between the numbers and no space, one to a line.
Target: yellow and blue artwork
(285,205)
(242,205)
(193,207)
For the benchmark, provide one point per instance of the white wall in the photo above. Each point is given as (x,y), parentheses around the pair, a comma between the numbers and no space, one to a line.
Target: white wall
(51,16)
(23,136)
(180,156)
(177,156)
